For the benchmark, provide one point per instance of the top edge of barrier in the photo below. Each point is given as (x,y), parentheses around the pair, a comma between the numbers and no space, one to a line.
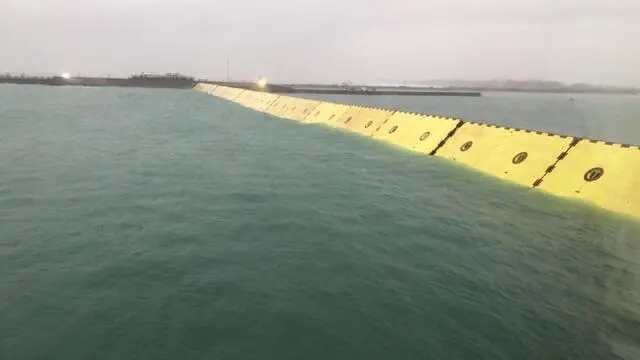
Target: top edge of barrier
(429,115)
(611,143)
(533,131)
(538,132)
(547,133)
(517,129)
(383,109)
(362,107)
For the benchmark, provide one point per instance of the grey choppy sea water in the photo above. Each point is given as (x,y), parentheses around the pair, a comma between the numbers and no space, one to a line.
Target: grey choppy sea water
(158,224)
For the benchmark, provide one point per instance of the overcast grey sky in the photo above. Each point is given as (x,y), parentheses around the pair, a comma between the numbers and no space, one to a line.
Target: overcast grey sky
(595,41)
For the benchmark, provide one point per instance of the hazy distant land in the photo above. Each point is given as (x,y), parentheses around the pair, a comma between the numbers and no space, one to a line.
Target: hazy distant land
(523,86)
(174,80)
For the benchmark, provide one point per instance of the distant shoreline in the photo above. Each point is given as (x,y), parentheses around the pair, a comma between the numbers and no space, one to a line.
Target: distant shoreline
(542,90)
(176,81)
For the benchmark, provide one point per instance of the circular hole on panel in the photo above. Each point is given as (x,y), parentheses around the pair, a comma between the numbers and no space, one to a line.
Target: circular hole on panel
(519,158)
(593,174)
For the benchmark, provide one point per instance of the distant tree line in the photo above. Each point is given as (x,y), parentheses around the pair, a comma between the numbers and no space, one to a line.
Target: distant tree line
(20,76)
(168,76)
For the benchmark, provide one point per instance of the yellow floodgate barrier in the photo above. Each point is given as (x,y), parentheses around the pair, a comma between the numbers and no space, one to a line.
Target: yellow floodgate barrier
(363,120)
(208,88)
(292,108)
(256,100)
(327,113)
(511,154)
(227,93)
(415,131)
(604,174)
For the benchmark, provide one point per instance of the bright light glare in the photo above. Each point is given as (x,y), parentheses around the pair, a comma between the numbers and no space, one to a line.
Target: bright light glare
(66,75)
(262,83)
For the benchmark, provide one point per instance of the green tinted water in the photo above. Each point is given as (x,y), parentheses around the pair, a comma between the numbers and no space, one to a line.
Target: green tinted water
(152,224)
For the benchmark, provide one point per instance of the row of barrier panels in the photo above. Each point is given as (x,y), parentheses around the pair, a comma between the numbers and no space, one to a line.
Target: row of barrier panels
(207,88)
(511,154)
(248,99)
(292,108)
(227,93)
(256,100)
(605,174)
(416,132)
(280,107)
(363,120)
(326,113)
